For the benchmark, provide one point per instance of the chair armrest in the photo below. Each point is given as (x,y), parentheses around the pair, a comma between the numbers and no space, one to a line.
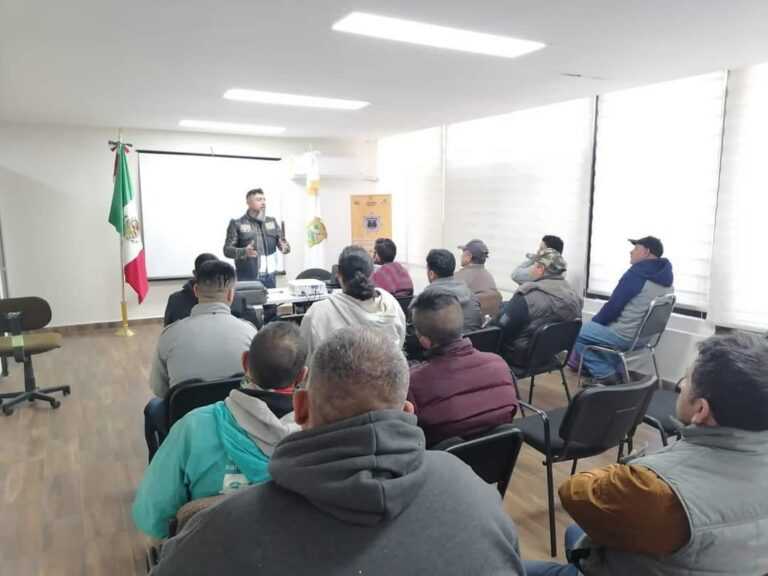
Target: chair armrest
(545,420)
(541,413)
(601,349)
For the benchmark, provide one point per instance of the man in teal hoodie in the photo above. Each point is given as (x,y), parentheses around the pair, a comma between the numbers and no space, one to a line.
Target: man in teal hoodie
(223,447)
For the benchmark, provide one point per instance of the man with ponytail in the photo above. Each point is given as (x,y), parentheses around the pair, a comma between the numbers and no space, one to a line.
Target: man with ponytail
(359,304)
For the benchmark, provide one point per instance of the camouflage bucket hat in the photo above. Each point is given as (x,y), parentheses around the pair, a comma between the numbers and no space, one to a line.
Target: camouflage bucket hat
(551,259)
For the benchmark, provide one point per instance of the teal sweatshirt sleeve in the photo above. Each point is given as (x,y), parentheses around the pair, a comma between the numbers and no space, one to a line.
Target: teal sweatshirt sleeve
(164,487)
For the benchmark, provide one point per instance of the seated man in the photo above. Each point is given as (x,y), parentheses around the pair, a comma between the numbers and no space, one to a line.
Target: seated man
(547,298)
(617,322)
(522,273)
(180,303)
(480,281)
(456,391)
(390,275)
(206,345)
(440,267)
(698,506)
(220,448)
(355,492)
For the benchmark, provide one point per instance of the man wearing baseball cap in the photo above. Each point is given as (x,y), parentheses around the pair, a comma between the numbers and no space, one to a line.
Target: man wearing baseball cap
(648,277)
(473,256)
(546,298)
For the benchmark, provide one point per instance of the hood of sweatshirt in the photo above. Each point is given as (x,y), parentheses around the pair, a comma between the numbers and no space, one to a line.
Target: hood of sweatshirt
(383,310)
(362,470)
(250,431)
(658,270)
(455,286)
(189,289)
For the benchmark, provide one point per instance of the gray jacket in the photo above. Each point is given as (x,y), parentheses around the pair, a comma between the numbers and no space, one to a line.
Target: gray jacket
(208,344)
(359,496)
(720,476)
(470,307)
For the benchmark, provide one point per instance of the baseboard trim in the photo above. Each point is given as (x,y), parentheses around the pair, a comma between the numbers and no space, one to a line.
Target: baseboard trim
(82,328)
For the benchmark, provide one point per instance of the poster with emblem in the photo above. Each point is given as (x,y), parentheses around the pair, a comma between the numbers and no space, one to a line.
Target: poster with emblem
(371,219)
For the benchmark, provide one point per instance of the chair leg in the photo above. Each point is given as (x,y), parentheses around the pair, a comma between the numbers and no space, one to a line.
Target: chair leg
(530,390)
(517,393)
(4,366)
(551,503)
(573,466)
(565,385)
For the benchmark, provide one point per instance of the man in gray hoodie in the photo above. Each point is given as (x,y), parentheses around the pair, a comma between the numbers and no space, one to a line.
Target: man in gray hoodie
(441,265)
(355,492)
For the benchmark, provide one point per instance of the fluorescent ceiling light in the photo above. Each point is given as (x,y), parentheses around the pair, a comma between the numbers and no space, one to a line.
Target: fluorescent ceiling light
(292,99)
(232,127)
(432,35)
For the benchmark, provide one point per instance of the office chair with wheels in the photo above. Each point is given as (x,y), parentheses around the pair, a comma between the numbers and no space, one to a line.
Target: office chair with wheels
(18,315)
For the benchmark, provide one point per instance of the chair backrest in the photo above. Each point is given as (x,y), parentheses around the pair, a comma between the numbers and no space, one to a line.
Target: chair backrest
(604,416)
(655,321)
(485,339)
(315,274)
(493,455)
(405,302)
(35,313)
(187,396)
(296,318)
(549,340)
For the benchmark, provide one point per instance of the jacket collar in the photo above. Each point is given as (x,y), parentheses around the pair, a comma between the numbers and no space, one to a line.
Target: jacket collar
(210,308)
(456,348)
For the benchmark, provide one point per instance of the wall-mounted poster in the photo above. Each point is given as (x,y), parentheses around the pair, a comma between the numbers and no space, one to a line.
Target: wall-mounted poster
(371,219)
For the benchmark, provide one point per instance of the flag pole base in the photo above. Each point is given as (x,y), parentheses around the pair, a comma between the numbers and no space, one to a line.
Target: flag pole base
(124,329)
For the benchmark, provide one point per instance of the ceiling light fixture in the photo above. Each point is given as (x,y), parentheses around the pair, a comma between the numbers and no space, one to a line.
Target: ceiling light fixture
(232,127)
(292,99)
(437,36)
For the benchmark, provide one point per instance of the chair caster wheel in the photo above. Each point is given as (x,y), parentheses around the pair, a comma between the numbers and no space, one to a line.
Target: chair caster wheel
(67,392)
(7,410)
(55,404)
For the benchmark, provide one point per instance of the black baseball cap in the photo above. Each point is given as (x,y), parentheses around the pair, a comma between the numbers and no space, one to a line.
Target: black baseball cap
(653,244)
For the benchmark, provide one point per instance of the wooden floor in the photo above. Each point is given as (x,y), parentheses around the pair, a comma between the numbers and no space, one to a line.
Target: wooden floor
(68,476)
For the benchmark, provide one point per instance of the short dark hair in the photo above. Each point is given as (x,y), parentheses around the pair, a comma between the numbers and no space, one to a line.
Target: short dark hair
(731,373)
(441,262)
(277,355)
(254,192)
(386,250)
(215,276)
(554,242)
(356,267)
(203,258)
(437,315)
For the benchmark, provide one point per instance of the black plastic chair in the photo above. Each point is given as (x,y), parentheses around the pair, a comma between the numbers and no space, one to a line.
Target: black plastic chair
(187,396)
(493,455)
(405,303)
(485,339)
(17,316)
(661,413)
(646,339)
(315,274)
(295,318)
(596,420)
(550,347)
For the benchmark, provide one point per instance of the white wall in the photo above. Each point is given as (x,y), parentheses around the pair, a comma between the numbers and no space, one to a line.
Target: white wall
(55,193)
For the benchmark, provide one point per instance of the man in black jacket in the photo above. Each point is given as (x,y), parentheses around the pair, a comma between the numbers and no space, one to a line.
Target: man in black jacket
(180,303)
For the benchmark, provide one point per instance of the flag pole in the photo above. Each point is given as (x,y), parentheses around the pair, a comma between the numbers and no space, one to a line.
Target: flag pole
(125,329)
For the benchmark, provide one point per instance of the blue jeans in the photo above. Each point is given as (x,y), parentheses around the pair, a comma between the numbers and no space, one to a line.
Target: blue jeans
(154,422)
(537,568)
(600,365)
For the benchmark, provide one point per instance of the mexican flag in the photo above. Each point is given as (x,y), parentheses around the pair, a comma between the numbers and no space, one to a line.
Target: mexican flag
(315,232)
(124,216)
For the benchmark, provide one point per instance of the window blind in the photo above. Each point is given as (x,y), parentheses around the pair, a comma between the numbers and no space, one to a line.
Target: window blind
(739,277)
(656,173)
(512,179)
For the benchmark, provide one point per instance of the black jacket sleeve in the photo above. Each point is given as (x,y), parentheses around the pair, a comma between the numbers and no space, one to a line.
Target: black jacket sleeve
(231,249)
(513,318)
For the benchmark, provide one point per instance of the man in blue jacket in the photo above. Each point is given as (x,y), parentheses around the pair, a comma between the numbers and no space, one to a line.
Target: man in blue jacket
(226,446)
(616,324)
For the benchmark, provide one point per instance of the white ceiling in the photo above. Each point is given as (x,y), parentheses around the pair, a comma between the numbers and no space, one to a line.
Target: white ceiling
(149,63)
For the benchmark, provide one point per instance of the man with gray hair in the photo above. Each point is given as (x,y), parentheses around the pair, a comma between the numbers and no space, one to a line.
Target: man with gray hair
(355,492)
(207,345)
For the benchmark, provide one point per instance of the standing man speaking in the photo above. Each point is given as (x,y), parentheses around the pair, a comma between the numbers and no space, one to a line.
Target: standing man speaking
(253,241)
